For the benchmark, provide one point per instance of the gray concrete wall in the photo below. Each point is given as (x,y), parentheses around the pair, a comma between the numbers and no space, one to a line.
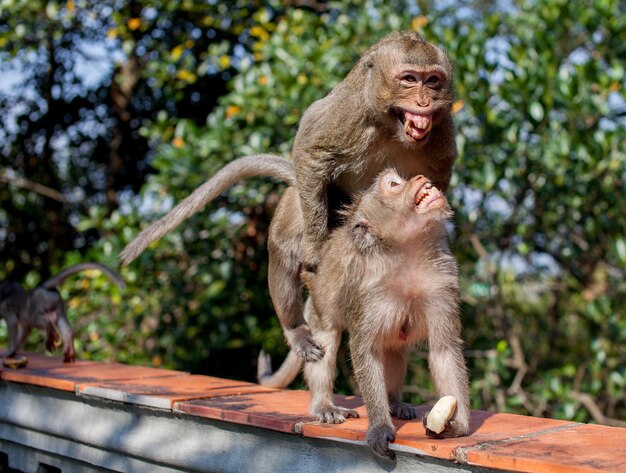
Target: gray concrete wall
(44,430)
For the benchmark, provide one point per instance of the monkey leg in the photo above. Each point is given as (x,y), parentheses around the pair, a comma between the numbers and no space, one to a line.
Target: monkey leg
(13,330)
(52,337)
(320,377)
(17,339)
(447,366)
(284,245)
(395,362)
(369,370)
(67,334)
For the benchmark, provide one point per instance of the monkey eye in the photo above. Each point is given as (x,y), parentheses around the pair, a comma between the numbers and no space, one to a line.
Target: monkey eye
(408,78)
(433,80)
(392,183)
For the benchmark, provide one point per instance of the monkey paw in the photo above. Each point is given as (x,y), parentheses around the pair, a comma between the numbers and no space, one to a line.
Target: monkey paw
(69,358)
(334,414)
(453,429)
(302,342)
(379,437)
(402,410)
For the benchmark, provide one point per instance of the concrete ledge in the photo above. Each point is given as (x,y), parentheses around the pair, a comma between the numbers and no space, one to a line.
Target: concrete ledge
(40,426)
(91,417)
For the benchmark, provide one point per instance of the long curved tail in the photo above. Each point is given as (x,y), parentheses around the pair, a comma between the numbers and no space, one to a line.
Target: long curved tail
(285,375)
(255,165)
(57,280)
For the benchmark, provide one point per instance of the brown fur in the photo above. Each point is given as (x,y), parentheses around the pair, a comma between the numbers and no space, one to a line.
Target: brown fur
(387,277)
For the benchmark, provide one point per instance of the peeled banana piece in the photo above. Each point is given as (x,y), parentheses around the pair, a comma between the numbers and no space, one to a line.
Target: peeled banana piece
(440,414)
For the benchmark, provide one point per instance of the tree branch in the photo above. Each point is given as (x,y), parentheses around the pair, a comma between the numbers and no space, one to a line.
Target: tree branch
(32,186)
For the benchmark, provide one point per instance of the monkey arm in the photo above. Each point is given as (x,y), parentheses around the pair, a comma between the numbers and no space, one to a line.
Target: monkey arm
(369,372)
(13,329)
(313,188)
(446,361)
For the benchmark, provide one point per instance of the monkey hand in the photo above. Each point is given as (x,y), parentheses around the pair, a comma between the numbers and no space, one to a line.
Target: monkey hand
(310,256)
(379,437)
(301,340)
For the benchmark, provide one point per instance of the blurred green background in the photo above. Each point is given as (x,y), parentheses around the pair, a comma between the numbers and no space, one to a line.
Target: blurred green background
(114,110)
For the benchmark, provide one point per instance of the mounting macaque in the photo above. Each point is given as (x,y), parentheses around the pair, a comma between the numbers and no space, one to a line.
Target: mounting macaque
(43,308)
(387,277)
(392,110)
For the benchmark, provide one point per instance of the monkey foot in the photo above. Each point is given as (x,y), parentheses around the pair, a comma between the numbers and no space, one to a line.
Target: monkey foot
(302,342)
(379,437)
(402,410)
(334,414)
(14,362)
(69,358)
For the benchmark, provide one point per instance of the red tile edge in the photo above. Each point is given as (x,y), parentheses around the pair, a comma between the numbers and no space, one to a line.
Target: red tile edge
(499,441)
(575,448)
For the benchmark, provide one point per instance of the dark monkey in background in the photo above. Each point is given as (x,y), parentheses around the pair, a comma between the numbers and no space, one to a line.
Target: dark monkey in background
(392,110)
(42,307)
(387,277)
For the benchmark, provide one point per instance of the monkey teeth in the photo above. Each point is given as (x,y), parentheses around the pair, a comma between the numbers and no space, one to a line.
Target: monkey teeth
(416,125)
(423,194)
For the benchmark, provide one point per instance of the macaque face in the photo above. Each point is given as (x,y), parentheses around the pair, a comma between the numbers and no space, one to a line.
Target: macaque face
(400,211)
(414,89)
(422,95)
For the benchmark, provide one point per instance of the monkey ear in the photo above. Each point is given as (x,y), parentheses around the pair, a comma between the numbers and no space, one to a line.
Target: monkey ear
(363,236)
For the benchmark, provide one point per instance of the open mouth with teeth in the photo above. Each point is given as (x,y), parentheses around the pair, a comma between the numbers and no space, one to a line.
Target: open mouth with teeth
(416,125)
(426,195)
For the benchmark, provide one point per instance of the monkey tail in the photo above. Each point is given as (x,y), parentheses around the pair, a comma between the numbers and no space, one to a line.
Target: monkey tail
(285,374)
(255,165)
(57,280)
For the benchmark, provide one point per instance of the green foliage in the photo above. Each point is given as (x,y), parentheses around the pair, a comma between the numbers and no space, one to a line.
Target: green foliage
(538,190)
(540,204)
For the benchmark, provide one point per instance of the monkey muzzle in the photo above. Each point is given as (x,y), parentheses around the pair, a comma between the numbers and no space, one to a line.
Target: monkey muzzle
(416,125)
(426,194)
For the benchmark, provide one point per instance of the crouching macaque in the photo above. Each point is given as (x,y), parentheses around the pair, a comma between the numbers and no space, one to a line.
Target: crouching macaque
(392,110)
(388,278)
(43,308)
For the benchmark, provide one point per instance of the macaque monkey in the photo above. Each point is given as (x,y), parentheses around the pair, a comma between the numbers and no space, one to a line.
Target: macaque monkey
(43,308)
(388,278)
(392,110)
